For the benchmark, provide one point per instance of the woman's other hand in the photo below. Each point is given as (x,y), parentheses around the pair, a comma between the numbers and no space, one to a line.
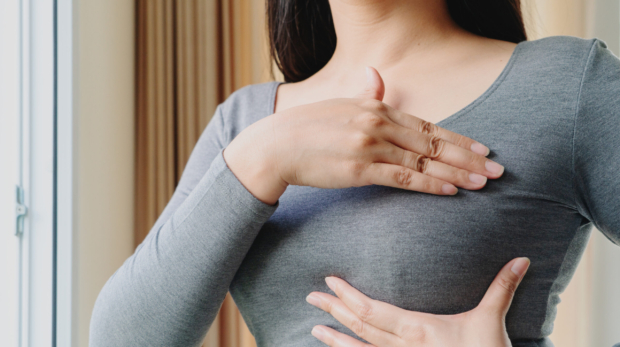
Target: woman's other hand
(352,142)
(385,325)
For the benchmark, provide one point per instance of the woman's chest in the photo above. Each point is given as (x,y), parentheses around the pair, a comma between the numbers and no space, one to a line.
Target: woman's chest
(535,194)
(418,251)
(379,228)
(415,251)
(408,248)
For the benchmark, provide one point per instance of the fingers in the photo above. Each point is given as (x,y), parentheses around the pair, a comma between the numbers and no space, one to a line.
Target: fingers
(438,144)
(411,122)
(441,150)
(377,313)
(374,89)
(333,338)
(348,318)
(461,178)
(397,176)
(499,295)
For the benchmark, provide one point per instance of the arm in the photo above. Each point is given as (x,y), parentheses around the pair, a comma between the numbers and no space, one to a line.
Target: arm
(169,291)
(596,151)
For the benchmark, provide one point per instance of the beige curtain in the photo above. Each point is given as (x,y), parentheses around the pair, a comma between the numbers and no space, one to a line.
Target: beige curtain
(191,54)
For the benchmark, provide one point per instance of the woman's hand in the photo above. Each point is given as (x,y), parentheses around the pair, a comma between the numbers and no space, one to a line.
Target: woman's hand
(352,142)
(385,325)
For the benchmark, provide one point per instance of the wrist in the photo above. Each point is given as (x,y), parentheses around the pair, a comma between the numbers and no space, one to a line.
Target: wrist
(255,173)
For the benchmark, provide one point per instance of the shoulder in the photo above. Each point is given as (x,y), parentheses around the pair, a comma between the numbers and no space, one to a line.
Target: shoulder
(564,53)
(599,96)
(561,47)
(560,64)
(247,105)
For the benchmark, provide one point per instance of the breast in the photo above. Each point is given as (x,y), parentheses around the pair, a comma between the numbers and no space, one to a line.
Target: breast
(422,252)
(416,251)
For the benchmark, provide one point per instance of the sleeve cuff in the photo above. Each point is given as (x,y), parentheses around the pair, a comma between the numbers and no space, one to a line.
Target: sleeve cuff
(237,190)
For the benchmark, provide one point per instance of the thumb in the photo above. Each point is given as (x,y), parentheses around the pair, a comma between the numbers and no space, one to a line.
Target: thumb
(499,295)
(374,85)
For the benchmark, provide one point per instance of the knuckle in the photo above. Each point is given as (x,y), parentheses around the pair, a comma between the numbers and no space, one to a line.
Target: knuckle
(463,176)
(363,311)
(374,105)
(404,177)
(358,327)
(357,171)
(416,333)
(428,128)
(371,121)
(356,168)
(327,305)
(408,159)
(362,141)
(427,186)
(509,285)
(473,160)
(462,141)
(436,147)
(421,164)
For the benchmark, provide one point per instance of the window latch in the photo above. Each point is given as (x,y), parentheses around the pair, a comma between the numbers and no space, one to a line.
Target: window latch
(20,210)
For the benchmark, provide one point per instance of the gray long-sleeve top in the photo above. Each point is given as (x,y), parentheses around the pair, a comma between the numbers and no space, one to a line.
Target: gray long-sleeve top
(552,118)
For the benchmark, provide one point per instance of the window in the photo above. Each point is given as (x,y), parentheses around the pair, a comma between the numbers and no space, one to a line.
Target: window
(9,130)
(27,174)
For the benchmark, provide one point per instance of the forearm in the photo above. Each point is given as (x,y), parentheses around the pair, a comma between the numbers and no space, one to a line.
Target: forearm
(169,291)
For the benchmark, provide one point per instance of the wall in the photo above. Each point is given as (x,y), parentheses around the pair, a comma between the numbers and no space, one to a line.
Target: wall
(104,147)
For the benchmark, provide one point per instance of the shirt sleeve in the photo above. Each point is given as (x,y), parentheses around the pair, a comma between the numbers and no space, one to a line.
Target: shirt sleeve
(596,146)
(170,290)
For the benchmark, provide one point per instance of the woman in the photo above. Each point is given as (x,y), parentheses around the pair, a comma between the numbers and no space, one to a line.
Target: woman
(291,183)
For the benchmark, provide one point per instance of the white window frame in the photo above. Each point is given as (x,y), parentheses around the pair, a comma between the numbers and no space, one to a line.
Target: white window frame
(9,171)
(66,264)
(39,42)
(37,240)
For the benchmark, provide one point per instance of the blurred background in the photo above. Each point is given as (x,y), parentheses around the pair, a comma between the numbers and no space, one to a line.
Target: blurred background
(148,76)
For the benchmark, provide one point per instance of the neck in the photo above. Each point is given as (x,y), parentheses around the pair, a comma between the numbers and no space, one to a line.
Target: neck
(384,33)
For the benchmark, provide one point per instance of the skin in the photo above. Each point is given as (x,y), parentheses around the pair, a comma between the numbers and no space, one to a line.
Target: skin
(329,132)
(431,68)
(382,324)
(352,142)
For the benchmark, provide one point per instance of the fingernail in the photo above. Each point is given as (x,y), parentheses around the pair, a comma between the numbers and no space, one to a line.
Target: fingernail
(494,167)
(520,265)
(318,333)
(477,179)
(449,189)
(367,75)
(330,283)
(313,300)
(480,149)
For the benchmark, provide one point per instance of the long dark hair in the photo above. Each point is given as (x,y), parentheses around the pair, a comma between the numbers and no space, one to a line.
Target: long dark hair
(302,37)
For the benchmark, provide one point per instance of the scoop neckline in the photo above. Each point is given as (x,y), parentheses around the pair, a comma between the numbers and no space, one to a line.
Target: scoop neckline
(480,99)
